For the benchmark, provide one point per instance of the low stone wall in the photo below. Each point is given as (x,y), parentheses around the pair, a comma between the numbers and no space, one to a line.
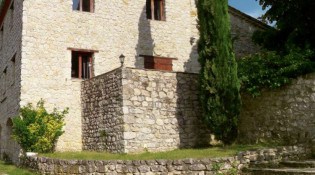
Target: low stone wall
(102,115)
(284,115)
(44,165)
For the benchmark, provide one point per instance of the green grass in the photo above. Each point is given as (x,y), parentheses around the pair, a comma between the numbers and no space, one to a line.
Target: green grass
(172,155)
(12,170)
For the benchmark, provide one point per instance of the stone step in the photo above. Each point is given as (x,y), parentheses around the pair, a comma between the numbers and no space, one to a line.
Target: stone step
(280,171)
(298,164)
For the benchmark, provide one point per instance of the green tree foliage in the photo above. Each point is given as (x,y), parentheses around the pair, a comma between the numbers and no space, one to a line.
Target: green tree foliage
(294,24)
(219,84)
(36,129)
(271,70)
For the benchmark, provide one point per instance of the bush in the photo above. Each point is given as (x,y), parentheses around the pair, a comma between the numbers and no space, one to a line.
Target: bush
(37,130)
(272,70)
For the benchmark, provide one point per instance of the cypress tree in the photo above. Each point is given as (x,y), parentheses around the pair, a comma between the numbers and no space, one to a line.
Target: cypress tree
(219,84)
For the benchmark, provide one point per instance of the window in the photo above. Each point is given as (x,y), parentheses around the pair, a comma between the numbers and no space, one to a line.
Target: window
(156,9)
(158,63)
(83,5)
(82,64)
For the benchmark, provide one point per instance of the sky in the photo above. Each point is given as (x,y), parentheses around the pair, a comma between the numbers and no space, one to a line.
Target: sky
(250,7)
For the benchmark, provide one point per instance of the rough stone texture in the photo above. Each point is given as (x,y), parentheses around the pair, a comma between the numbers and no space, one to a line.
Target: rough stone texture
(161,111)
(43,31)
(285,115)
(208,166)
(116,27)
(242,29)
(102,115)
(10,78)
(133,110)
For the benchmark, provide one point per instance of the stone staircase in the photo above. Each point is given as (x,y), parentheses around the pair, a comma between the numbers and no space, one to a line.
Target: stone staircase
(305,167)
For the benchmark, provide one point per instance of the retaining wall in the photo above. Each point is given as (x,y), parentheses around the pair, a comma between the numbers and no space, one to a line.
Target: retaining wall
(148,167)
(284,115)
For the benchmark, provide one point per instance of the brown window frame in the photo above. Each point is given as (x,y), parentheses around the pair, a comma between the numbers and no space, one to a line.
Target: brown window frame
(154,12)
(81,54)
(80,8)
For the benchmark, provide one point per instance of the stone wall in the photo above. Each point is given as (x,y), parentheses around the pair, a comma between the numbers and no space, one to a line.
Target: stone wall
(154,110)
(116,27)
(242,29)
(10,80)
(102,115)
(161,111)
(184,166)
(284,115)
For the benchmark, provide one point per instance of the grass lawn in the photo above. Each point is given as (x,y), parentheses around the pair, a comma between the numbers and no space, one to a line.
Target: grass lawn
(176,154)
(6,169)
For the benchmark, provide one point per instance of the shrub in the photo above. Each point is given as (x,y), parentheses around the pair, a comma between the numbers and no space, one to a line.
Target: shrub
(272,70)
(38,130)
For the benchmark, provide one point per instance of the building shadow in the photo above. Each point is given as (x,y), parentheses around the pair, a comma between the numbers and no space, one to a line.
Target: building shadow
(193,131)
(145,45)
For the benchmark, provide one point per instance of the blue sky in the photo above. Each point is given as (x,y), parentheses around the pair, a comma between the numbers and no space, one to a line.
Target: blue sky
(250,7)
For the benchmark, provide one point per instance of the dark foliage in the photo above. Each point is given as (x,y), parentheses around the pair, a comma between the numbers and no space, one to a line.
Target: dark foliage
(272,70)
(219,84)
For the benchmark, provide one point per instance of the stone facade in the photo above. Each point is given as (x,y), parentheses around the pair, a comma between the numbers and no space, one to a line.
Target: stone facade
(205,166)
(42,34)
(10,77)
(116,27)
(284,115)
(152,113)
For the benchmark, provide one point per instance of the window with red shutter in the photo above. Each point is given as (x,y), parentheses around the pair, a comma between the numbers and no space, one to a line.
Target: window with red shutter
(158,63)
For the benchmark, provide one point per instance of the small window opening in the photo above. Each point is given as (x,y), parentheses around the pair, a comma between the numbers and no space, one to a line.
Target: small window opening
(156,9)
(5,70)
(81,65)
(83,5)
(13,58)
(13,69)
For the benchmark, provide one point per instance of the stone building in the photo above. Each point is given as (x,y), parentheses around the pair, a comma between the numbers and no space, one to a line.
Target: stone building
(47,49)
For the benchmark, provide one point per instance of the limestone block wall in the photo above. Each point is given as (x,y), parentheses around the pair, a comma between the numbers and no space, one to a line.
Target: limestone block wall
(285,115)
(133,110)
(10,80)
(102,115)
(161,111)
